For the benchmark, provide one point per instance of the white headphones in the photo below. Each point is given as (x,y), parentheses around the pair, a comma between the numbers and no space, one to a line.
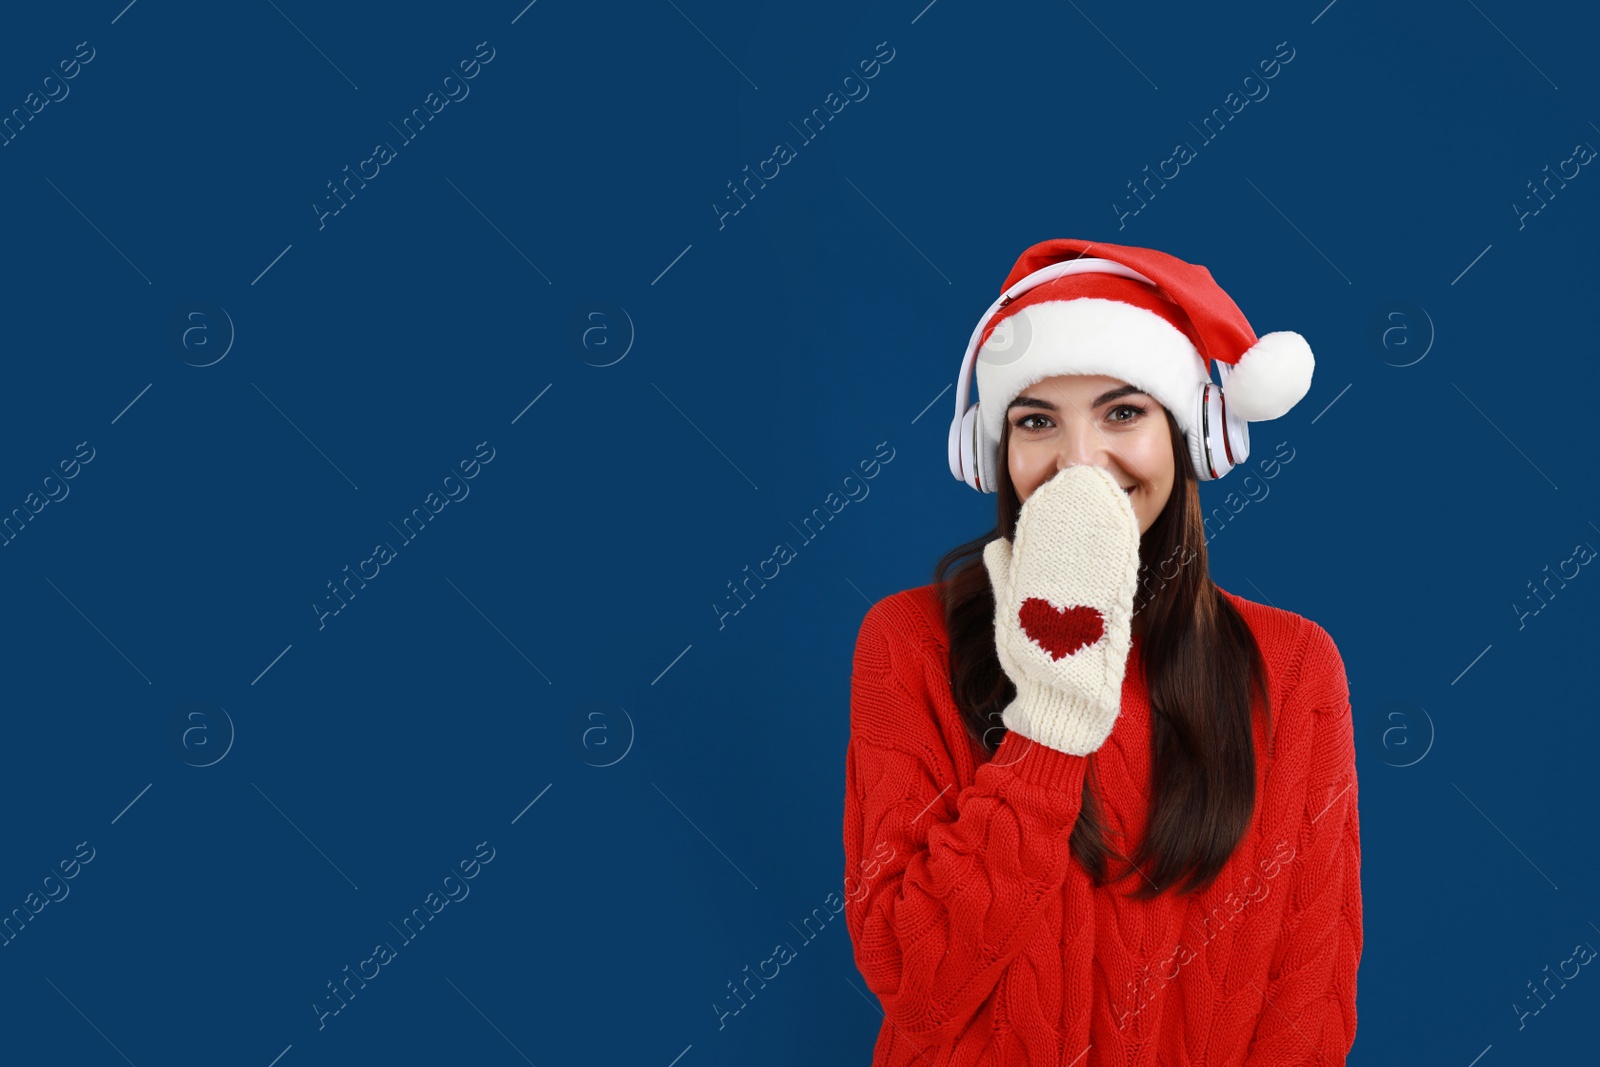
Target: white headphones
(1219,441)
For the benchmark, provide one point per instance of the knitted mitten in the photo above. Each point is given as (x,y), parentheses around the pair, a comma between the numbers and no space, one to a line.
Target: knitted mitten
(1064,607)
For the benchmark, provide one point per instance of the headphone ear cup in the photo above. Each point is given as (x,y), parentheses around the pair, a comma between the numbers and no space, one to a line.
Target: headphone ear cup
(1221,440)
(1199,421)
(1238,435)
(958,466)
(970,453)
(988,451)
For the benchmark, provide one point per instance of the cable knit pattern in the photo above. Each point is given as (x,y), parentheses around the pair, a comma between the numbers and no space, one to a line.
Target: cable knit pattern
(987,944)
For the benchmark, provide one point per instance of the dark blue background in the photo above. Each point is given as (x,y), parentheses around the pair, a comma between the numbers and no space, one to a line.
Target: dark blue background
(573,589)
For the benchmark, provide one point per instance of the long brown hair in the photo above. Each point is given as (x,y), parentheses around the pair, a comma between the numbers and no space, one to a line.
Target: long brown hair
(1201,667)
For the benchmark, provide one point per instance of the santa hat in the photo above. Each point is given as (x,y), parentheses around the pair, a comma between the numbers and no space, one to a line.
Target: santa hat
(1160,338)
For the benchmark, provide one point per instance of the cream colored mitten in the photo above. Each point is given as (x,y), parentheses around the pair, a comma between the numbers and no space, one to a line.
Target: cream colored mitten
(1064,608)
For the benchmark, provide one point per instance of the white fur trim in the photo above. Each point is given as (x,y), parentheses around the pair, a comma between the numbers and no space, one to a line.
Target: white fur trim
(1271,377)
(1089,335)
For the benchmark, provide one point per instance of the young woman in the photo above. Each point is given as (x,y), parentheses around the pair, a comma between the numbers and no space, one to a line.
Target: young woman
(1098,809)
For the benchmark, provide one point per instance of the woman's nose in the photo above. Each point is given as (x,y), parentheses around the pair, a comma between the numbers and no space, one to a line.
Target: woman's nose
(1081,445)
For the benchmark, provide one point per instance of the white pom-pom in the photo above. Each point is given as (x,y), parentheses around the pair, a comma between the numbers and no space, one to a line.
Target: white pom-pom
(1271,377)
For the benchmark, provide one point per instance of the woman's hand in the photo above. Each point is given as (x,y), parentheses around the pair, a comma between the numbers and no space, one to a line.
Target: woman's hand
(1064,607)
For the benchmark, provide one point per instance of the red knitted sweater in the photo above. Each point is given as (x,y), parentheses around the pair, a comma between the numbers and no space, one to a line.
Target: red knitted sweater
(987,943)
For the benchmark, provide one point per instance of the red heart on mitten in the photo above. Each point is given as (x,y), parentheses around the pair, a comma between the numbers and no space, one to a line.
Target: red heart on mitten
(1060,631)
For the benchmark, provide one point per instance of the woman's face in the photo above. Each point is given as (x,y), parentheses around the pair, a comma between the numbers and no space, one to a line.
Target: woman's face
(1097,420)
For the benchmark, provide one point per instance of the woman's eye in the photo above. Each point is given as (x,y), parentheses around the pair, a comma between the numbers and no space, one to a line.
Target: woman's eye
(1026,421)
